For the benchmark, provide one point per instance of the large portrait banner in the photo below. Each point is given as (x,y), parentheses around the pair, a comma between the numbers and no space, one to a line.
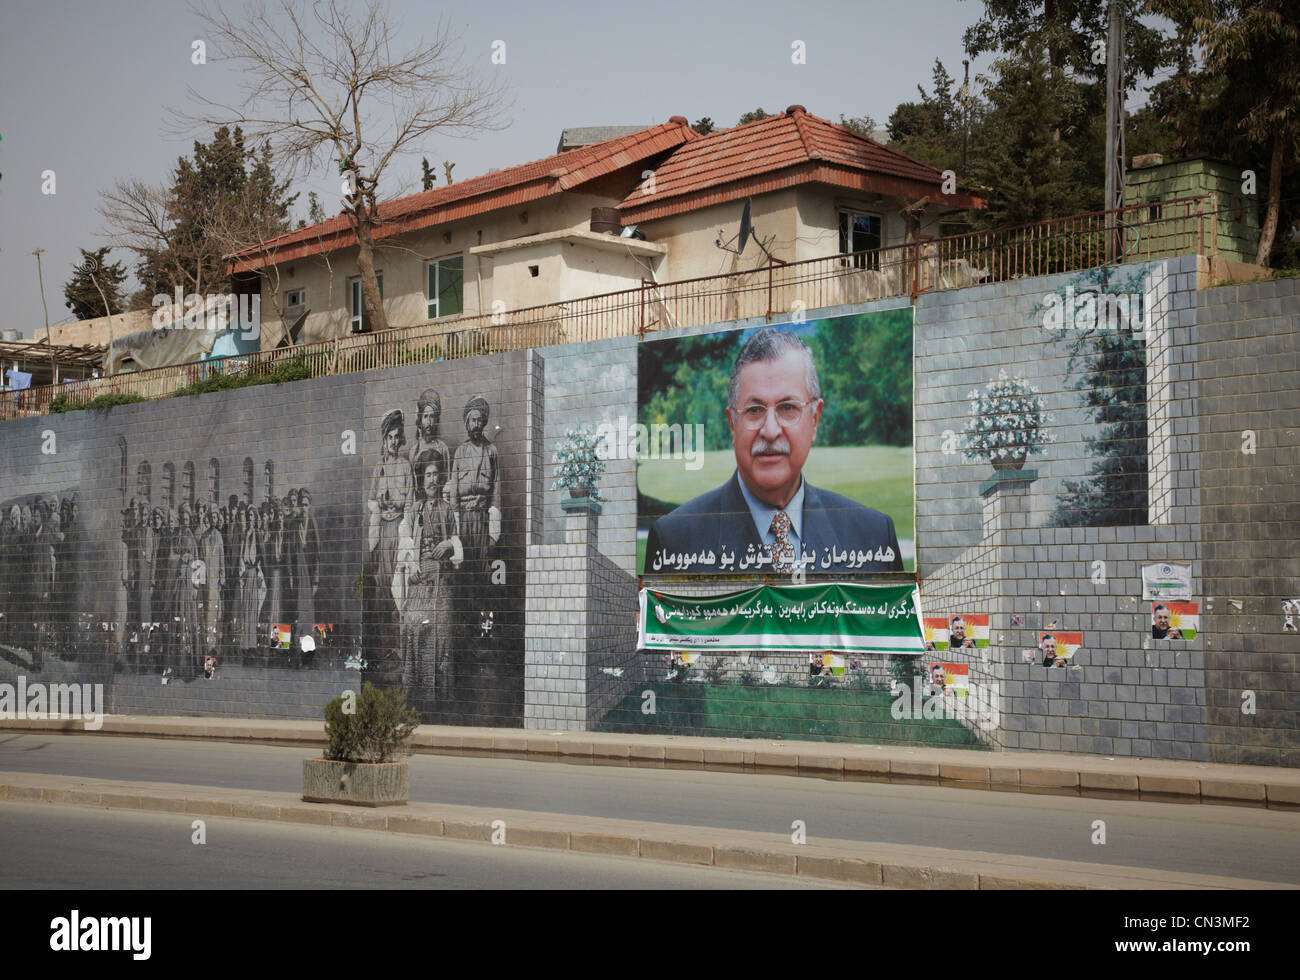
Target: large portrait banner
(778,449)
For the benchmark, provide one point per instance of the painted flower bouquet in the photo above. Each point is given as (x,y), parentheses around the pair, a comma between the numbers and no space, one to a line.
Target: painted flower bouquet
(578,466)
(1008,423)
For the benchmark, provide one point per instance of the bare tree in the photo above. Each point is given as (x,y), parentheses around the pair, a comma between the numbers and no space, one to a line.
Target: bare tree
(324,84)
(140,218)
(237,224)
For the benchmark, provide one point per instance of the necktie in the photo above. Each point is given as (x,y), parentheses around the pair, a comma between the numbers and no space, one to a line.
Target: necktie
(782,552)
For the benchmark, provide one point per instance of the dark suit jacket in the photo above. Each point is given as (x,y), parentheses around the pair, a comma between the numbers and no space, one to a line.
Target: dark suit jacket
(721,518)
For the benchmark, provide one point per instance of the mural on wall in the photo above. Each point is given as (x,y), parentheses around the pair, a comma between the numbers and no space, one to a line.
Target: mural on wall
(312,526)
(207,579)
(444,518)
(777,448)
(40,552)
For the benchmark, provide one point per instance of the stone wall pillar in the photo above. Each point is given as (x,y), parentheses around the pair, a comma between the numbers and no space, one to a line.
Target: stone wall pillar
(557,607)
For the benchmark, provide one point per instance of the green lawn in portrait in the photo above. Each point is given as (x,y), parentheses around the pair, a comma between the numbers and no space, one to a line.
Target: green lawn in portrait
(824,715)
(875,476)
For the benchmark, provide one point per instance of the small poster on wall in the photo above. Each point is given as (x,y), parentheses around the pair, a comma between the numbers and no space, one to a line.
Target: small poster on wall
(1174,620)
(1165,581)
(950,679)
(1058,648)
(936,632)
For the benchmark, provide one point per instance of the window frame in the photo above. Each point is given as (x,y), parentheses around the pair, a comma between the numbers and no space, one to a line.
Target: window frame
(432,289)
(359,322)
(844,220)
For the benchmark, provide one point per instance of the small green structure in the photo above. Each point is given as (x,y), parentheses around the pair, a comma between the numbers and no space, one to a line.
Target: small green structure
(1152,181)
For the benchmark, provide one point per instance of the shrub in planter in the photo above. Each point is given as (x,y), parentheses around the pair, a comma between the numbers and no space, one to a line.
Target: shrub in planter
(365,734)
(1008,423)
(578,464)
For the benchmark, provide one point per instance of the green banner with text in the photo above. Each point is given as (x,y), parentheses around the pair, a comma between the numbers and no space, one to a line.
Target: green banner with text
(836,616)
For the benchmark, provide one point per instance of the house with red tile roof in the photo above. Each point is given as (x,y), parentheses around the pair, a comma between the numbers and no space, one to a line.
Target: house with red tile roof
(558,228)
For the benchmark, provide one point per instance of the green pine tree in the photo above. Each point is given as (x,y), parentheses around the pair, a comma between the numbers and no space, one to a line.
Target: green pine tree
(1021,153)
(95,288)
(315,213)
(1109,368)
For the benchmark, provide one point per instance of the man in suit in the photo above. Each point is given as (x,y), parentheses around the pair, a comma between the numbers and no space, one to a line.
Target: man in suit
(767,517)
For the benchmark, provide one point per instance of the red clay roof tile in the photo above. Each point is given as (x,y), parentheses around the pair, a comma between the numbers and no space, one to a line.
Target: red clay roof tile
(750,156)
(513,185)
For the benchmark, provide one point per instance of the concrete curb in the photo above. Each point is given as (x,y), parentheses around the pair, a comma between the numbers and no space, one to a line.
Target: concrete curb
(850,862)
(1155,780)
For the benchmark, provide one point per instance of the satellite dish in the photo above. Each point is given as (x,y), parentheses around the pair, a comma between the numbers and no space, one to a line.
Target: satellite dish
(747,231)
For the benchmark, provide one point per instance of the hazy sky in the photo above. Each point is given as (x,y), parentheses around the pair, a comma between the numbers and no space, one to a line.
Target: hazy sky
(84,87)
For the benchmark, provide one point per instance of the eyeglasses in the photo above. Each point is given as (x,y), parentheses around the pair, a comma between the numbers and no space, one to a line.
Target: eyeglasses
(787,414)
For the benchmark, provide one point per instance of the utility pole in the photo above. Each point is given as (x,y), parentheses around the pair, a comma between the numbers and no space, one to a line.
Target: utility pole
(40,278)
(965,111)
(54,371)
(1115,125)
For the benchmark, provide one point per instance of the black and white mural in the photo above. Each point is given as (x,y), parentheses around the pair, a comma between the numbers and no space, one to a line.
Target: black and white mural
(368,522)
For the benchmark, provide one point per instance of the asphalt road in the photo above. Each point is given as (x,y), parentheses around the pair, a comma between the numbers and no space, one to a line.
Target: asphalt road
(1222,840)
(83,847)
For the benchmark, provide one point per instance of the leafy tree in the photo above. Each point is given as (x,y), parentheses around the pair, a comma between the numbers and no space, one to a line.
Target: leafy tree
(95,288)
(753,116)
(427,176)
(704,125)
(1243,102)
(1069,29)
(862,125)
(864,364)
(220,199)
(931,130)
(1109,367)
(1018,153)
(1073,35)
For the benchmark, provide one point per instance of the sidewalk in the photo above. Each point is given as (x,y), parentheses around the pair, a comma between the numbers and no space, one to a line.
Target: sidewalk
(855,862)
(1026,772)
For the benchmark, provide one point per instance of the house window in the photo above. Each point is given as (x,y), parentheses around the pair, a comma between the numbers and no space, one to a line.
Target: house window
(445,289)
(360,319)
(861,233)
(295,298)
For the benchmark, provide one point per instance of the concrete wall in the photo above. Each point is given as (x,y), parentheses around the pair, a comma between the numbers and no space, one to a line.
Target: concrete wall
(1221,378)
(1249,398)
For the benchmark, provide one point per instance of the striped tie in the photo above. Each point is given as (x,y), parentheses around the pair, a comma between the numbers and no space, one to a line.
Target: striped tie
(782,552)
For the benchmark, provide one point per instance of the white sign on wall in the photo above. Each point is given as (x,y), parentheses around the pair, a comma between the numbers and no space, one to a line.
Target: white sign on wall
(1165,581)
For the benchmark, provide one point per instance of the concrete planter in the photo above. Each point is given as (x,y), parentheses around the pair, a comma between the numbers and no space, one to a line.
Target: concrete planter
(355,783)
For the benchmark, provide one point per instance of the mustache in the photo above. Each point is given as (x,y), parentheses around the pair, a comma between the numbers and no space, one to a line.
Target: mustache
(761,445)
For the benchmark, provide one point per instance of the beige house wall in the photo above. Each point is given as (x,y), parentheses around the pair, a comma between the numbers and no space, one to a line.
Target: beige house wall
(802,223)
(100,330)
(402,261)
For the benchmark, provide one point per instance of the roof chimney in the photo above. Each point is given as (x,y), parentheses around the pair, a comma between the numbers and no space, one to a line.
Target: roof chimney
(679,120)
(791,110)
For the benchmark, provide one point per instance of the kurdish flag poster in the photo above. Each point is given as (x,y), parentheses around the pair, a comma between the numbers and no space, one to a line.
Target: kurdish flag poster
(956,678)
(1175,620)
(968,629)
(936,633)
(1060,644)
